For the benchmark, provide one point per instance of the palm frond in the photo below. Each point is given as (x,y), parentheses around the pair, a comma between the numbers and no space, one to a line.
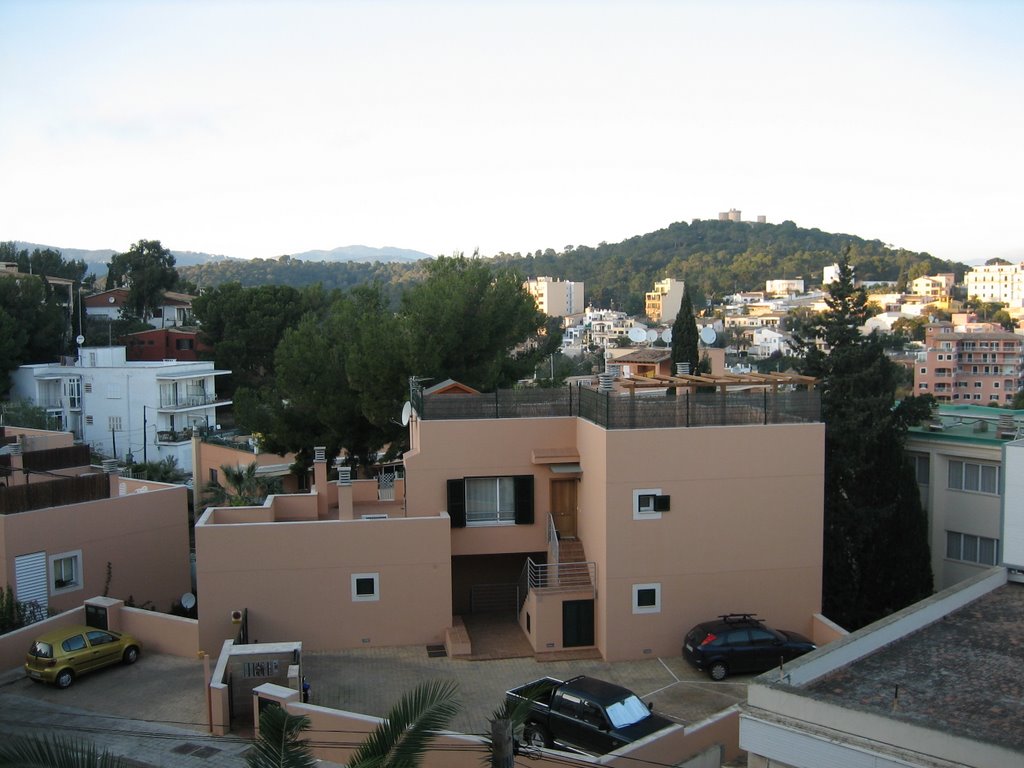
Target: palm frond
(402,739)
(279,744)
(42,752)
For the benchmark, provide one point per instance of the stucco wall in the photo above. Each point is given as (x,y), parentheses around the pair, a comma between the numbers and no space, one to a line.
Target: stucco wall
(295,579)
(743,533)
(144,537)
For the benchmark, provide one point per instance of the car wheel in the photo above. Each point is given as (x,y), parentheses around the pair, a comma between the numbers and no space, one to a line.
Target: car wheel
(131,654)
(536,735)
(64,678)
(718,671)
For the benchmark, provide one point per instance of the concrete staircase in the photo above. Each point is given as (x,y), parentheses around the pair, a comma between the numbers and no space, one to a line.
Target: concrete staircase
(573,570)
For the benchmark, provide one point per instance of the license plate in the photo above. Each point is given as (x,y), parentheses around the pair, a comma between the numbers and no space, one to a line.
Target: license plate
(35,675)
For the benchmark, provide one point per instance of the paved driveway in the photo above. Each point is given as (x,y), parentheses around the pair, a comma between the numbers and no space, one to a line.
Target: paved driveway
(165,692)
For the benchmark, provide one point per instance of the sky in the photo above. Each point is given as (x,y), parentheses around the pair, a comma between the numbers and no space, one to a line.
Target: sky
(260,128)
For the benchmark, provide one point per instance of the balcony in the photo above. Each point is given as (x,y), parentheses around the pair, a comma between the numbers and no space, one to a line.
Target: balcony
(171,437)
(187,402)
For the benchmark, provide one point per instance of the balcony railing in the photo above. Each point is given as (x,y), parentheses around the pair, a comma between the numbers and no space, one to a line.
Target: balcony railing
(624,411)
(189,401)
(560,576)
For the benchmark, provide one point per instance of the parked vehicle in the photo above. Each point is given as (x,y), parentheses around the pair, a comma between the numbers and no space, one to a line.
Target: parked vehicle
(585,714)
(740,642)
(61,655)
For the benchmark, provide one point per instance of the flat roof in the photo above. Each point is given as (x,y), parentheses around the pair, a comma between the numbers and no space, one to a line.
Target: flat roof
(963,674)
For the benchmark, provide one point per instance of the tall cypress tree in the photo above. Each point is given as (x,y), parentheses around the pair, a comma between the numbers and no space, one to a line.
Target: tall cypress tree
(684,334)
(876,554)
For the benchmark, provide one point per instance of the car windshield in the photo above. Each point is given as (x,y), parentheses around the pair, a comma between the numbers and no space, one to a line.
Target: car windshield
(628,711)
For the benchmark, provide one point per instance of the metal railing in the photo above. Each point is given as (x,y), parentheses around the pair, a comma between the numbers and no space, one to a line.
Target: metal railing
(553,552)
(189,401)
(625,411)
(560,576)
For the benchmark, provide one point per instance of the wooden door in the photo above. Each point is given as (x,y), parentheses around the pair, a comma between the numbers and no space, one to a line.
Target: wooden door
(563,507)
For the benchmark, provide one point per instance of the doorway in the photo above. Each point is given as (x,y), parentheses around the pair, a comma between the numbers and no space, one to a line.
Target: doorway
(577,623)
(563,507)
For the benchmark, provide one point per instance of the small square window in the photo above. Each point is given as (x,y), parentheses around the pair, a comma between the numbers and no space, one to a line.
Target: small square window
(66,572)
(647,598)
(365,587)
(649,503)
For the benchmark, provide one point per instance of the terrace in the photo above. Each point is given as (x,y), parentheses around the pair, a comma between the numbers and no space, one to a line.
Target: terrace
(644,402)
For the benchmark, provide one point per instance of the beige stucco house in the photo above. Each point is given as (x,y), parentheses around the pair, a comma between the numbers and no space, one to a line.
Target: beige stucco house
(611,520)
(70,531)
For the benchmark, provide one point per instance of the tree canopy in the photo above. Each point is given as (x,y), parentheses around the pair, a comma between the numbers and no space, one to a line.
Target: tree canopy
(876,553)
(685,347)
(147,270)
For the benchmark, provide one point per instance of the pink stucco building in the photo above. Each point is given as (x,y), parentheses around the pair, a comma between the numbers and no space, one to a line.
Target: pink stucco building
(969,362)
(604,520)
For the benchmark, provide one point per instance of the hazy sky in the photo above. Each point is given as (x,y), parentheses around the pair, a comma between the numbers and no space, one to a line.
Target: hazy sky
(262,128)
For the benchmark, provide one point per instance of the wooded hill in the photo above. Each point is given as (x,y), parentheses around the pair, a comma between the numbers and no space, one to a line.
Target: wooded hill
(715,257)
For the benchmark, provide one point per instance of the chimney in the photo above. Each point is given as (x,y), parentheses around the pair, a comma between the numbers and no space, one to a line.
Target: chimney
(320,480)
(344,488)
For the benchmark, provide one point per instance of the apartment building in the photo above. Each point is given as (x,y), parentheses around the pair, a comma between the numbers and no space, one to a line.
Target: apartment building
(607,520)
(108,535)
(997,282)
(662,304)
(784,287)
(969,362)
(958,462)
(148,409)
(556,298)
(936,287)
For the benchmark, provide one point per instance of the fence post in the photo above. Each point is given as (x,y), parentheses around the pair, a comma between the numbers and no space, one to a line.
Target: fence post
(495,402)
(765,393)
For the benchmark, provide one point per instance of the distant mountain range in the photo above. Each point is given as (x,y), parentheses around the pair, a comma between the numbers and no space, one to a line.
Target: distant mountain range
(97,260)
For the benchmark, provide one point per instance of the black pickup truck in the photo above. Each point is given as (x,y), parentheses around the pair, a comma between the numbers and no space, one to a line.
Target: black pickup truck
(585,714)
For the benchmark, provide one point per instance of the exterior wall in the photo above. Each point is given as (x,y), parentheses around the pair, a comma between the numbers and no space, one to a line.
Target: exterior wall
(1013,505)
(662,304)
(144,537)
(39,439)
(14,645)
(207,456)
(743,512)
(556,298)
(163,344)
(968,512)
(295,579)
(484,448)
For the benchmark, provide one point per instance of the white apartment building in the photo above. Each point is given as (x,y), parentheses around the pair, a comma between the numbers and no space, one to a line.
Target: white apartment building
(147,408)
(662,304)
(556,298)
(997,282)
(784,287)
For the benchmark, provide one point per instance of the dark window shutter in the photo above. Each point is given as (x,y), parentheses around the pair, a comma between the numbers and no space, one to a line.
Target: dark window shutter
(661,503)
(524,499)
(457,502)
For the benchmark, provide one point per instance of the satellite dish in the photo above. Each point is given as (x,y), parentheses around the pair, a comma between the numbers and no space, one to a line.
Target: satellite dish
(666,335)
(637,334)
(80,339)
(188,601)
(406,412)
(652,335)
(708,335)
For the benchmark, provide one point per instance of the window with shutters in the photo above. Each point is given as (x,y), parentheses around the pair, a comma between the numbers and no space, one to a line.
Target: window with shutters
(480,501)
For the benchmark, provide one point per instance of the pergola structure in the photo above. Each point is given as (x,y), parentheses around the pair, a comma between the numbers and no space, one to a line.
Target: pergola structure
(723,382)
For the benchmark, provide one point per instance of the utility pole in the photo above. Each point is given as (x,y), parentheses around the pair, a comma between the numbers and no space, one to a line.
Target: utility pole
(145,441)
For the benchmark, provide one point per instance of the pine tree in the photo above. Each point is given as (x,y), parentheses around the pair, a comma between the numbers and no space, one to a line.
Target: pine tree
(876,554)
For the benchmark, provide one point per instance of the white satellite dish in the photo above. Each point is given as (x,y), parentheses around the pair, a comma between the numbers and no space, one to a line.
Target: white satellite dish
(406,412)
(652,335)
(188,601)
(708,335)
(637,334)
(666,335)
(80,339)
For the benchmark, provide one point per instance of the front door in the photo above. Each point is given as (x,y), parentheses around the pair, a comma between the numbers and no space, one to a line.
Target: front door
(563,507)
